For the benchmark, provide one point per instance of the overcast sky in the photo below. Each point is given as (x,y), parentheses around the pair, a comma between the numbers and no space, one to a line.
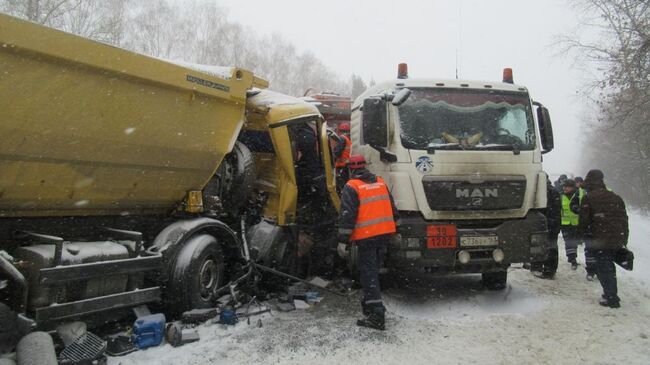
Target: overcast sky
(370,38)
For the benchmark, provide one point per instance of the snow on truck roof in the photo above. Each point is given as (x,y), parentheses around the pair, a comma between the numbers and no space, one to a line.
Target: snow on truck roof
(439,83)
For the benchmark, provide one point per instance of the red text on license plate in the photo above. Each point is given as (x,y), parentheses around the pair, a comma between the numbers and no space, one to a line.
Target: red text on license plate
(441,236)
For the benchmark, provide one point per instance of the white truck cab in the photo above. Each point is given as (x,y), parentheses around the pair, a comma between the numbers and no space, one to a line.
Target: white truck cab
(463,161)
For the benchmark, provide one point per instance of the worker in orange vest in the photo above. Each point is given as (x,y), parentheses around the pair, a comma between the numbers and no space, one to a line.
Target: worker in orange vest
(342,172)
(369,219)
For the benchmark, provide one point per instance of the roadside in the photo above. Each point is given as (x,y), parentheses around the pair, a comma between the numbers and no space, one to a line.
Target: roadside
(449,321)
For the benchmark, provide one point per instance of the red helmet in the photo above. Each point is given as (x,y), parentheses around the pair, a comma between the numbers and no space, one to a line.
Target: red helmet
(357,162)
(344,127)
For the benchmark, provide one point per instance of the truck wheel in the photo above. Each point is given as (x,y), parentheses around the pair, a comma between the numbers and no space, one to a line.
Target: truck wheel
(198,270)
(233,181)
(495,280)
(36,348)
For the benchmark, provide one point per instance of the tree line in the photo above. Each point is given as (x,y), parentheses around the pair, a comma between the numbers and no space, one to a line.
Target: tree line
(196,31)
(613,42)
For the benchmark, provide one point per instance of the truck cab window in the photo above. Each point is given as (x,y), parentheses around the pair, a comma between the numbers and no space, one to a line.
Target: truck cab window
(466,119)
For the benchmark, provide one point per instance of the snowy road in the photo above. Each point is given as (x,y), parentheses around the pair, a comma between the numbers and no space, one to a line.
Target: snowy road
(449,321)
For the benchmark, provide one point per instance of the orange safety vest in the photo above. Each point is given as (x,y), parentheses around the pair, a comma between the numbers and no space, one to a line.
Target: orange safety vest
(343,160)
(375,215)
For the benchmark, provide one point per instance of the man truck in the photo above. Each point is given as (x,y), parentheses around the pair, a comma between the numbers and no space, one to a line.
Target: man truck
(123,178)
(463,161)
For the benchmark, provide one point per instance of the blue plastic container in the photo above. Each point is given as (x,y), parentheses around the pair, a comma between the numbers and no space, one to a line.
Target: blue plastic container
(149,330)
(228,316)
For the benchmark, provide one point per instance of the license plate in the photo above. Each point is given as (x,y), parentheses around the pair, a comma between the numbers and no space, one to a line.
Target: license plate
(442,236)
(479,241)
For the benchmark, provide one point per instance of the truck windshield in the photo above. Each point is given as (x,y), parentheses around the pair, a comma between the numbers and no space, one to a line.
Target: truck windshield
(465,119)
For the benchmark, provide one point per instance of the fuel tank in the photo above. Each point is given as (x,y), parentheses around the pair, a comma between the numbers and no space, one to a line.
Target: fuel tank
(41,256)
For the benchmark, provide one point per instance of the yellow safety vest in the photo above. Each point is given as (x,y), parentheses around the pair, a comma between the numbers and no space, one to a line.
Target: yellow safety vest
(568,217)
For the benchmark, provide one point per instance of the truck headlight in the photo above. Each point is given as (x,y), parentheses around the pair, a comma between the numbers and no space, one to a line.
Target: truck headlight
(413,242)
(539,239)
(498,255)
(464,257)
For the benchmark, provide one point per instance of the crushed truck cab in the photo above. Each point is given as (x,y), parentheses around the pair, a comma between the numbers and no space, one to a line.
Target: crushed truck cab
(463,161)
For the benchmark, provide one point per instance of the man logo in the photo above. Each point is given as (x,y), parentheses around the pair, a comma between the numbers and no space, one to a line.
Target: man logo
(423,164)
(477,193)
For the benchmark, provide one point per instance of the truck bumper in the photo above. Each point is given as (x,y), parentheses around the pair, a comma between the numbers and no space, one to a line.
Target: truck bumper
(480,246)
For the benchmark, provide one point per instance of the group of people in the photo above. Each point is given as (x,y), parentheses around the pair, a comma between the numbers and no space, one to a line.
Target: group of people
(586,212)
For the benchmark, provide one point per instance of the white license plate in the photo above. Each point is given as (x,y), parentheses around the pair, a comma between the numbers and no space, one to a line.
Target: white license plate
(479,241)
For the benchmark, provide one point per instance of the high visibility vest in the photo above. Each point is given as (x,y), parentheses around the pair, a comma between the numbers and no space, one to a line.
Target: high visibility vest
(581,194)
(568,217)
(343,160)
(375,214)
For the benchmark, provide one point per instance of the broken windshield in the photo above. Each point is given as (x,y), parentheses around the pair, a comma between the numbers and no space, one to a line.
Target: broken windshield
(466,119)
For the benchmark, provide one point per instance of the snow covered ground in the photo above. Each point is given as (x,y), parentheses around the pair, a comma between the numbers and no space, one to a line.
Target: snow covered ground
(449,321)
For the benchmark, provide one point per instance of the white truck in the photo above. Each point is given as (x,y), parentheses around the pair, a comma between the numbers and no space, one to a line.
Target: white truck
(463,161)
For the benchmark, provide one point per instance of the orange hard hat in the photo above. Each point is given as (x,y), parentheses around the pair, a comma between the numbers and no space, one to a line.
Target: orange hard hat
(345,127)
(357,162)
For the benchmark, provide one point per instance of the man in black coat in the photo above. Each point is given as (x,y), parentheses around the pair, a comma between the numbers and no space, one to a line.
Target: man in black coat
(604,226)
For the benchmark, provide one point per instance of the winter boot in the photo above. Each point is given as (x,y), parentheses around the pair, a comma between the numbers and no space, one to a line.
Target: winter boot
(574,265)
(591,277)
(375,318)
(609,302)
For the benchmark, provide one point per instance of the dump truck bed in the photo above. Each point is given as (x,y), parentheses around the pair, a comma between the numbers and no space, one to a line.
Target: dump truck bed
(91,129)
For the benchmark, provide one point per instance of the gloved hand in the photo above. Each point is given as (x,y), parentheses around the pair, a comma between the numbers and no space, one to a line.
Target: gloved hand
(342,249)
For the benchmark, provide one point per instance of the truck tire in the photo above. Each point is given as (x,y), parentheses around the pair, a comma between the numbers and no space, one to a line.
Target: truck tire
(233,181)
(495,280)
(197,271)
(36,348)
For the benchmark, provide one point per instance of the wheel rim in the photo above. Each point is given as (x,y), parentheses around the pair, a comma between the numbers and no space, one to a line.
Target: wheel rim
(208,278)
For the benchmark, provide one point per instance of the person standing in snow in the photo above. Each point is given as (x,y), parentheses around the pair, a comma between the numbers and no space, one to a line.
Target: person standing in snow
(369,219)
(569,224)
(558,185)
(604,225)
(576,201)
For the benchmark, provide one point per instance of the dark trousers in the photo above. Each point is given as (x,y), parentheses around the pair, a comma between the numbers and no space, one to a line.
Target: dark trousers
(590,261)
(549,267)
(570,242)
(372,252)
(606,272)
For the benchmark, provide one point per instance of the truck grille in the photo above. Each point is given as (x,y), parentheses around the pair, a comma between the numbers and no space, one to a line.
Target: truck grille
(468,193)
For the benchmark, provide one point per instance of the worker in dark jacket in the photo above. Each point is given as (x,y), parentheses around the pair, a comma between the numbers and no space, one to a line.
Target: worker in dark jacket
(369,219)
(604,225)
(576,201)
(553,213)
(309,173)
(569,224)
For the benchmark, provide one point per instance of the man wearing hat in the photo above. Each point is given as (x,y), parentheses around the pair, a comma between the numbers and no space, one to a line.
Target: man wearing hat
(569,223)
(604,225)
(369,219)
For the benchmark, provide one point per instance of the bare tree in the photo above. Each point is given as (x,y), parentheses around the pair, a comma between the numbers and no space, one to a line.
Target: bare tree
(613,37)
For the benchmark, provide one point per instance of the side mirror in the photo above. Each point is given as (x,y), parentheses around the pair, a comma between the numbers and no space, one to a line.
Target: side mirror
(375,124)
(401,97)
(545,128)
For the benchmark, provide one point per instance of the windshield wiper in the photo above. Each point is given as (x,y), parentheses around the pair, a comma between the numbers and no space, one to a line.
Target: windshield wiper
(431,148)
(515,147)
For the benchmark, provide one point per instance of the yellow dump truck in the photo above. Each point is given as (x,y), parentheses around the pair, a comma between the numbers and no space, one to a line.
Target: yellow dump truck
(123,177)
